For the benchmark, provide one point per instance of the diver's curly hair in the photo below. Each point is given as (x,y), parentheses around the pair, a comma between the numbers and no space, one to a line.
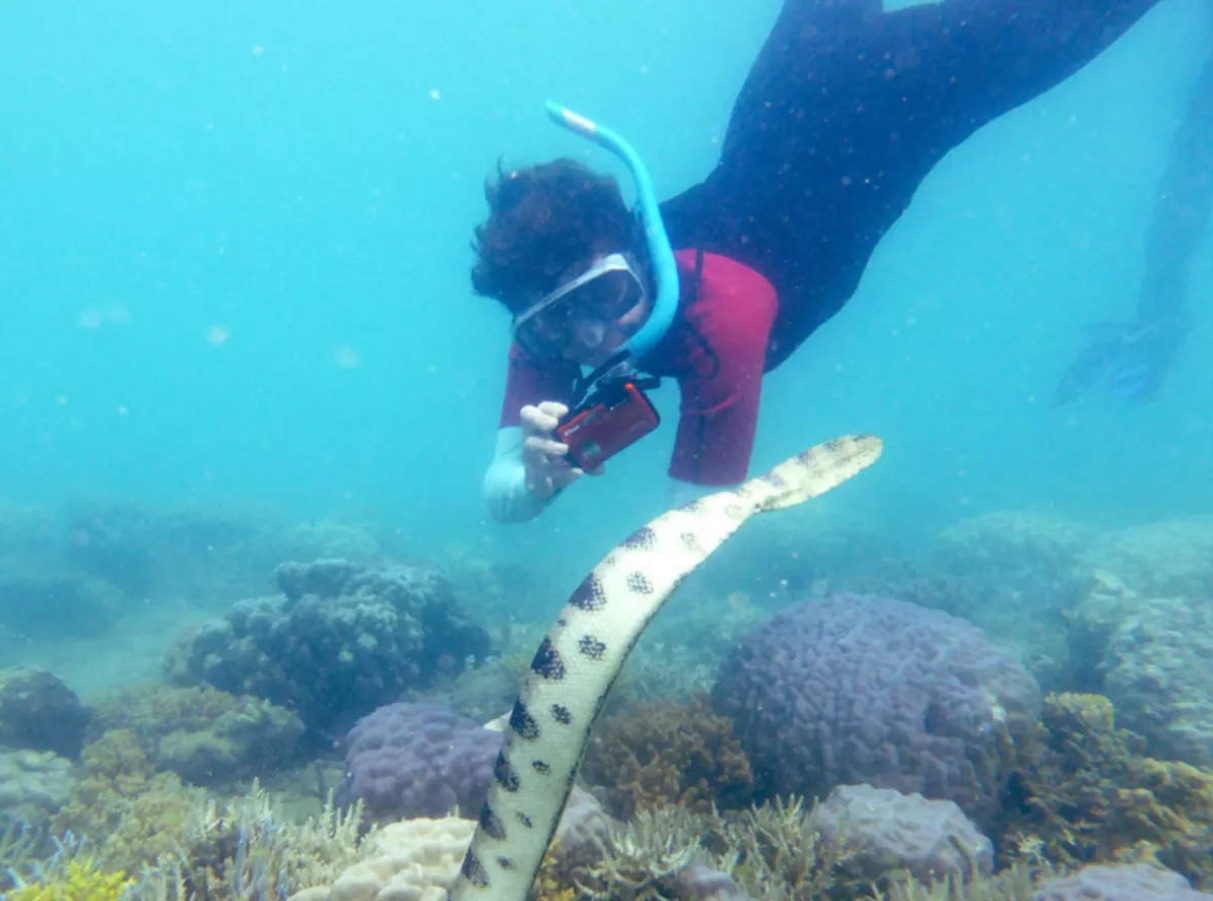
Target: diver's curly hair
(542,220)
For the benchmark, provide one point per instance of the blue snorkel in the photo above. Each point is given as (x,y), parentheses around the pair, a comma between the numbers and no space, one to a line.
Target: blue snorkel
(661,254)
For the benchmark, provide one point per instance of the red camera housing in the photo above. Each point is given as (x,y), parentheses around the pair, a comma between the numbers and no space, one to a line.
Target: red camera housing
(613,418)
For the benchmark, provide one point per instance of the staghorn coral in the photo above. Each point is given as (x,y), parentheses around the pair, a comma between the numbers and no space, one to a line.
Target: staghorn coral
(1087,794)
(773,853)
(669,753)
(1015,883)
(241,850)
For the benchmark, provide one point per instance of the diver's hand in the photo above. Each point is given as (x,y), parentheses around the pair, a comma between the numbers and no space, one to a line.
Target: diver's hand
(1129,360)
(547,468)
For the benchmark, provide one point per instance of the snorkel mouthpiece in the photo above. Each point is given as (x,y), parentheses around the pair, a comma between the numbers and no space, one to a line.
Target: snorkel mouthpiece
(661,254)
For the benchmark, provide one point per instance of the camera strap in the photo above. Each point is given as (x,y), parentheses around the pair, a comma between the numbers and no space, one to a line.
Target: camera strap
(615,371)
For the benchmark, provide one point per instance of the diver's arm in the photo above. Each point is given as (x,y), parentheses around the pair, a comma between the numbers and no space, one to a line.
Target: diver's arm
(505,483)
(1181,212)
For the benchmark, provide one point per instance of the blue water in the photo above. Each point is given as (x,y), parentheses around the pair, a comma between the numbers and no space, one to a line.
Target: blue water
(234,265)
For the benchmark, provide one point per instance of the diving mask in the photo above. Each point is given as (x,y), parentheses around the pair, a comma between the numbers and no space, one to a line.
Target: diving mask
(583,310)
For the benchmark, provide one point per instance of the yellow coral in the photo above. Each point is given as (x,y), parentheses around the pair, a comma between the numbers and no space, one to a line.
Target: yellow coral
(81,880)
(132,814)
(669,753)
(1089,794)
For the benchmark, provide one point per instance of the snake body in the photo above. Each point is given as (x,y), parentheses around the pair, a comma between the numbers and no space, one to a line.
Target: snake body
(583,653)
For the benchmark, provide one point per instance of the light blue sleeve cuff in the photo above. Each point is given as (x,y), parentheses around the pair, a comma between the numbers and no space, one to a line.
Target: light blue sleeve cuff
(505,491)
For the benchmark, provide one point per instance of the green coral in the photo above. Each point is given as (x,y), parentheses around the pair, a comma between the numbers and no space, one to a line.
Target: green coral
(1089,794)
(80,879)
(134,814)
(204,735)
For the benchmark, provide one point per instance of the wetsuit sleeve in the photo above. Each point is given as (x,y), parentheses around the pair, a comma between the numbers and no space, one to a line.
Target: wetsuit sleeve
(505,492)
(719,411)
(531,382)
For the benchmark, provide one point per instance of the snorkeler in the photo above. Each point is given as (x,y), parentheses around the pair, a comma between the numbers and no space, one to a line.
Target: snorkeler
(843,114)
(1130,360)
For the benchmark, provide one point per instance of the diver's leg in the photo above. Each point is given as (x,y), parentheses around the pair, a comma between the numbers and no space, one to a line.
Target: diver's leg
(1182,210)
(846,110)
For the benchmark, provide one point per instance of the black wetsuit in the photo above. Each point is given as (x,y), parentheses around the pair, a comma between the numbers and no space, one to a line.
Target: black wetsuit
(844,113)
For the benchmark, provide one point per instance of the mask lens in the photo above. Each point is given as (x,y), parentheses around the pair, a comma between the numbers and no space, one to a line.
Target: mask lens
(551,326)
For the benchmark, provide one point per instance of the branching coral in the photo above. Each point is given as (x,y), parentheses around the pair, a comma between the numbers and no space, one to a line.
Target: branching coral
(1088,794)
(773,853)
(1016,883)
(242,851)
(667,753)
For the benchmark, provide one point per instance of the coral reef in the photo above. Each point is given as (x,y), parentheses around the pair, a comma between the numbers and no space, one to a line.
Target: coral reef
(33,786)
(80,879)
(766,853)
(416,859)
(1138,882)
(1157,673)
(419,858)
(38,711)
(1086,794)
(340,641)
(665,753)
(853,689)
(1172,558)
(419,760)
(204,735)
(884,830)
(133,814)
(242,850)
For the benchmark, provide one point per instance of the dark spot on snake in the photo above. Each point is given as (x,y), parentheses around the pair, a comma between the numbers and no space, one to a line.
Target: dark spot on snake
(589,595)
(591,647)
(540,767)
(491,823)
(547,662)
(505,775)
(523,723)
(639,583)
(473,870)
(561,714)
(642,539)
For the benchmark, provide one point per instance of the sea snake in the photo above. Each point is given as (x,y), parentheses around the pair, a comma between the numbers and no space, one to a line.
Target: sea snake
(583,653)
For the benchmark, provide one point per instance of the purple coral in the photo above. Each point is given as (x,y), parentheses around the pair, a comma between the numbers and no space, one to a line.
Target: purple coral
(853,689)
(419,760)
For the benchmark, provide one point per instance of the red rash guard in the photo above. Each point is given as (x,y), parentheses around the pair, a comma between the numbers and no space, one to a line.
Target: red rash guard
(716,349)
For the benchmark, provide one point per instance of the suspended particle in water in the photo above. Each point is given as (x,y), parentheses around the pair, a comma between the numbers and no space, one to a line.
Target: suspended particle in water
(346,356)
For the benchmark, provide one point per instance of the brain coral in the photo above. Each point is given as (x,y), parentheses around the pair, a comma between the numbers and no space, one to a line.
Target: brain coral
(854,689)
